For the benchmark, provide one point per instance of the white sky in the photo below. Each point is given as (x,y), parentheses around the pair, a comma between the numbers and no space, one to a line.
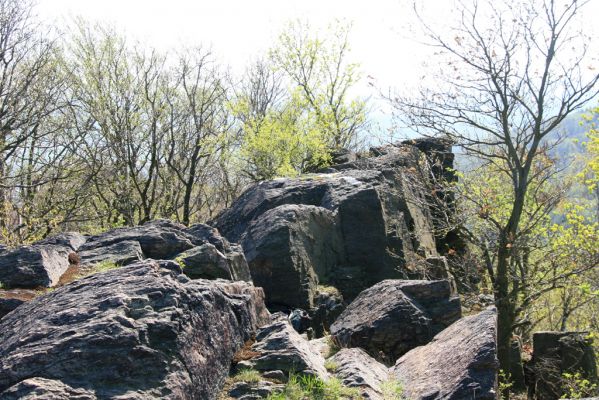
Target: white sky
(240,29)
(383,35)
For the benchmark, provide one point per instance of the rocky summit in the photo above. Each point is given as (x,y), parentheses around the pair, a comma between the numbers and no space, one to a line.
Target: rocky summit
(333,278)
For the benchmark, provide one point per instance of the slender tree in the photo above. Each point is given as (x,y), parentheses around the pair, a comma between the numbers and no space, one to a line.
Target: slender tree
(511,72)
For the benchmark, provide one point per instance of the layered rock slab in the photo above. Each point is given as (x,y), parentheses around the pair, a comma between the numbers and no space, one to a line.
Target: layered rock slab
(141,331)
(460,362)
(395,316)
(356,369)
(279,347)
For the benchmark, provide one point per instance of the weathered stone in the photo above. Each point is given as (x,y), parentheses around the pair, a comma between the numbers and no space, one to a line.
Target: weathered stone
(120,253)
(395,316)
(286,252)
(140,331)
(555,353)
(160,239)
(72,240)
(49,389)
(8,304)
(207,262)
(460,362)
(355,368)
(280,347)
(33,266)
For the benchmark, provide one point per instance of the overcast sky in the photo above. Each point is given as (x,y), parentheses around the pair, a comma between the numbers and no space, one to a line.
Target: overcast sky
(240,29)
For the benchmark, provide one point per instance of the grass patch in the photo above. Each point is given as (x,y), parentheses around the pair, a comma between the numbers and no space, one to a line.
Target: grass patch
(330,290)
(334,346)
(303,387)
(102,266)
(331,365)
(392,390)
(247,375)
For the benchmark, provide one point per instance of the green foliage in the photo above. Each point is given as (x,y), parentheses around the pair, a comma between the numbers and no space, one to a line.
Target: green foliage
(307,387)
(179,260)
(392,390)
(317,66)
(283,142)
(505,382)
(575,386)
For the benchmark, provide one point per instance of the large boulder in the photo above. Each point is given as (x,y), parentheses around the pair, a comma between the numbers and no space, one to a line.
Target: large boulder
(556,353)
(356,369)
(39,265)
(394,316)
(288,248)
(137,332)
(279,347)
(367,217)
(460,362)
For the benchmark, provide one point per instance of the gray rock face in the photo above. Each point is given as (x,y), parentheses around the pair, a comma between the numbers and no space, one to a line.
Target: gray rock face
(355,368)
(460,362)
(280,347)
(395,316)
(555,353)
(41,388)
(286,249)
(33,266)
(376,222)
(141,331)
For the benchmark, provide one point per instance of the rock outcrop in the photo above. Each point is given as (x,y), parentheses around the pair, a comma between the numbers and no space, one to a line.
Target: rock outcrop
(460,362)
(374,213)
(395,316)
(141,331)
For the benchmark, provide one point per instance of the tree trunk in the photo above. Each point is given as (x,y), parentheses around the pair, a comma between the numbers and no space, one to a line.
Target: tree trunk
(504,310)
